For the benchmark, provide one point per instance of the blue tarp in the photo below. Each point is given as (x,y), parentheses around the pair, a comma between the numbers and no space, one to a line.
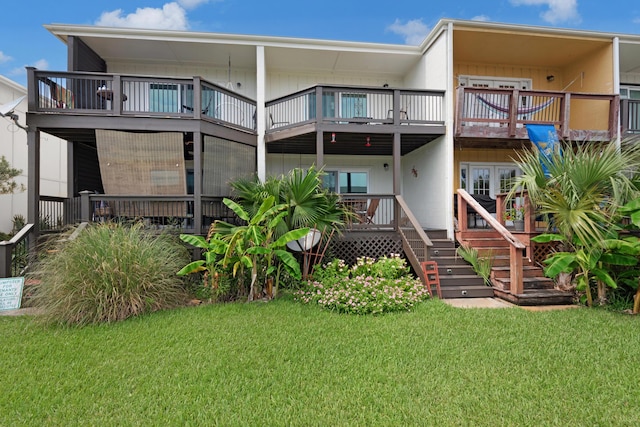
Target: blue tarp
(545,138)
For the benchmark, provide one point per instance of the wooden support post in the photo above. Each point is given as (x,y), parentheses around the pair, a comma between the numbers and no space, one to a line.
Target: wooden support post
(513,112)
(462,214)
(516,255)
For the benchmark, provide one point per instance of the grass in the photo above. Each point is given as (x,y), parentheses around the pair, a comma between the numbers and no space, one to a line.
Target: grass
(282,363)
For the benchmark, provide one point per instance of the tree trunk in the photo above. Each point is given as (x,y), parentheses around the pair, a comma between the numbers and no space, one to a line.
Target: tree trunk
(254,276)
(636,300)
(602,292)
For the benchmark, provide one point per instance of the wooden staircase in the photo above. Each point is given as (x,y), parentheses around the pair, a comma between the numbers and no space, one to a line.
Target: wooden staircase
(538,289)
(457,278)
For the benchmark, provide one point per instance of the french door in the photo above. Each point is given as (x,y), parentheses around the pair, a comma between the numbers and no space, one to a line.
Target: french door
(486,178)
(492,105)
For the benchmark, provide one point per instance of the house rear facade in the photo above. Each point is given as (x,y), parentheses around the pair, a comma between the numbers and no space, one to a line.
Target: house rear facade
(159,122)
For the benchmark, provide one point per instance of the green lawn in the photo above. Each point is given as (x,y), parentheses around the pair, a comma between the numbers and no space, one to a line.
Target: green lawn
(282,363)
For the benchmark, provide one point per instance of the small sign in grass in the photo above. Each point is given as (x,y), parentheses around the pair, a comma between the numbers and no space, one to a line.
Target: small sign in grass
(11,293)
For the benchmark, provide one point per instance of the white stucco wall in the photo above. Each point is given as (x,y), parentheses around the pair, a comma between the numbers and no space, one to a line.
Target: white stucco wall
(281,83)
(211,73)
(380,180)
(431,71)
(428,193)
(630,78)
(13,146)
(425,190)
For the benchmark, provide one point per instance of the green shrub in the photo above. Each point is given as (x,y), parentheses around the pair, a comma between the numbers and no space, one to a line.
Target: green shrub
(481,265)
(109,273)
(369,287)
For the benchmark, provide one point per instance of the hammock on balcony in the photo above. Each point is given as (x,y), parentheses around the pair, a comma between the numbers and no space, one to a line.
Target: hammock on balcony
(519,111)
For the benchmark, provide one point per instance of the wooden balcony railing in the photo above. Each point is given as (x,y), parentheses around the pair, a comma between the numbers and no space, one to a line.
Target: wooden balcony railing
(372,211)
(121,95)
(503,113)
(349,105)
(630,116)
(14,253)
(155,212)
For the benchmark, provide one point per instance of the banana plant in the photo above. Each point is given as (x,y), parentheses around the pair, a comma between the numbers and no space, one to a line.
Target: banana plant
(589,262)
(251,246)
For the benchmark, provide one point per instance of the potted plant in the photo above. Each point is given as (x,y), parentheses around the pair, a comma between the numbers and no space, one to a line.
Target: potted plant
(515,214)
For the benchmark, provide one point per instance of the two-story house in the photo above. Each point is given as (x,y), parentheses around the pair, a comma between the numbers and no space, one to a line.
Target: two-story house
(158,122)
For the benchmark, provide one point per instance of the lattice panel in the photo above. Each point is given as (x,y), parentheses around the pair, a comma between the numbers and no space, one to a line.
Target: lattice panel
(542,250)
(349,248)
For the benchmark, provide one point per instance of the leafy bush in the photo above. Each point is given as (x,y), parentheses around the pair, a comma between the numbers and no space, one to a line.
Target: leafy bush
(368,287)
(481,265)
(110,272)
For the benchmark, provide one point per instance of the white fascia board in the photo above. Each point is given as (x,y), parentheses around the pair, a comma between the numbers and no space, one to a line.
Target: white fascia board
(62,31)
(13,85)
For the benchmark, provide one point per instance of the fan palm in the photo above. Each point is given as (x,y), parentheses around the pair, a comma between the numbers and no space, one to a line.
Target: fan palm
(583,189)
(580,195)
(308,204)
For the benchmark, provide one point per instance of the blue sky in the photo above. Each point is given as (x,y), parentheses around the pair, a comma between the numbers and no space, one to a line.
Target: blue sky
(24,41)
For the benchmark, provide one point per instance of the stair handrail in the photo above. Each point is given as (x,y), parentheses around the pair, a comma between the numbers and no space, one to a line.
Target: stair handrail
(8,247)
(407,220)
(516,247)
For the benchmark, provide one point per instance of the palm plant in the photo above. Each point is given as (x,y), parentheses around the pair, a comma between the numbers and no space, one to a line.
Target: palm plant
(580,195)
(307,203)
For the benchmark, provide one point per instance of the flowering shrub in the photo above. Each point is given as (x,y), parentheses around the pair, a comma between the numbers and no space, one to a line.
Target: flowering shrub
(514,213)
(368,287)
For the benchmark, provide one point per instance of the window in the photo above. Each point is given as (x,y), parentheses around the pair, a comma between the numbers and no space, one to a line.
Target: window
(346,182)
(354,105)
(163,98)
(488,179)
(632,94)
(169,97)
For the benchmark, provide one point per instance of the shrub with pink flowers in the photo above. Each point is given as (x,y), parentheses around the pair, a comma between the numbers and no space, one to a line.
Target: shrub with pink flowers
(368,287)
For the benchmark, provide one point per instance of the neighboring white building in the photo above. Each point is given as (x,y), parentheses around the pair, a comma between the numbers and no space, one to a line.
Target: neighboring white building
(13,146)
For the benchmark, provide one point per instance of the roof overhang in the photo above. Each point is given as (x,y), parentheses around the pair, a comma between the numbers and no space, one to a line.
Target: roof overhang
(193,48)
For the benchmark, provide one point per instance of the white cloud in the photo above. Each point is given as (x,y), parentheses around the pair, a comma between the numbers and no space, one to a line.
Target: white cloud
(483,18)
(413,31)
(41,64)
(559,10)
(192,4)
(4,58)
(171,17)
(636,20)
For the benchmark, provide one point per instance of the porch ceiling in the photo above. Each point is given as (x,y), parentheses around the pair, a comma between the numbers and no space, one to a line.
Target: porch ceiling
(349,144)
(629,58)
(509,48)
(180,48)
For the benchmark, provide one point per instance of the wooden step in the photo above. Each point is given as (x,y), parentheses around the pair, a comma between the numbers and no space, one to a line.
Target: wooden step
(529,283)
(503,272)
(461,280)
(438,252)
(491,242)
(493,251)
(536,297)
(455,269)
(436,234)
(443,243)
(480,291)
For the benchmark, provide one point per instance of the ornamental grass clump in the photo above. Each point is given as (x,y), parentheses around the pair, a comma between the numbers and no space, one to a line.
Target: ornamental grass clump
(368,287)
(110,272)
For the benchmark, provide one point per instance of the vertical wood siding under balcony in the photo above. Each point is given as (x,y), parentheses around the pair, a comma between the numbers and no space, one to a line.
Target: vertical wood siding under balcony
(97,93)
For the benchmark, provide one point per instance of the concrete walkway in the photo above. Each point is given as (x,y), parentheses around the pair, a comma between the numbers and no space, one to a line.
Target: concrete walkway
(498,303)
